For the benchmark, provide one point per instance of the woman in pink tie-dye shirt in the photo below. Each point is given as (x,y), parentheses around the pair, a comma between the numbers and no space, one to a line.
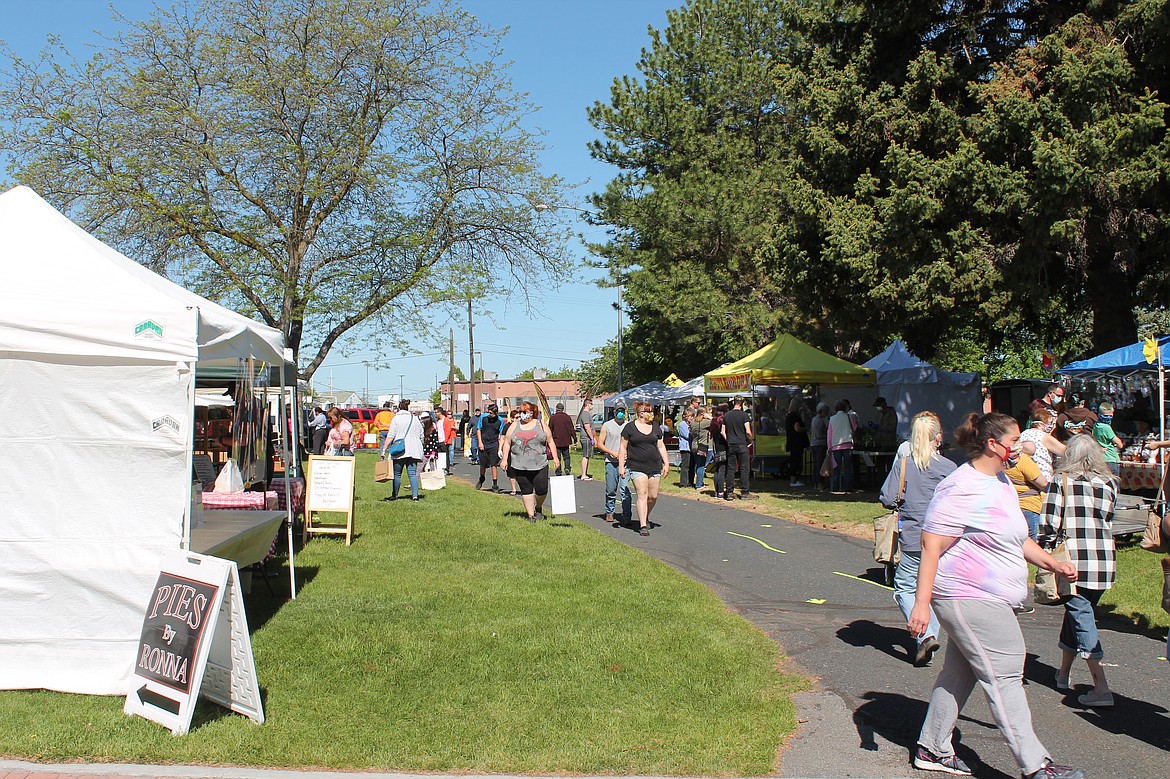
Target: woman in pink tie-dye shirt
(975,551)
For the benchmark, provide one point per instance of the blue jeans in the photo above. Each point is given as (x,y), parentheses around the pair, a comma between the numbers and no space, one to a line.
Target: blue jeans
(905,584)
(411,466)
(474,448)
(1033,523)
(1078,632)
(701,469)
(842,478)
(382,434)
(613,485)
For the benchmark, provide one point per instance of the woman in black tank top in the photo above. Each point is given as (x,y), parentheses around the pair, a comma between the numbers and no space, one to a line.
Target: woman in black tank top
(642,458)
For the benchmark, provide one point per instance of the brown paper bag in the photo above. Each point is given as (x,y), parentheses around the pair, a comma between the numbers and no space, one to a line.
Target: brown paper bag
(383,471)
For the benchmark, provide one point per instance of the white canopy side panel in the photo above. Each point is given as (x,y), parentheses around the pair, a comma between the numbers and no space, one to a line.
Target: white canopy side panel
(94,482)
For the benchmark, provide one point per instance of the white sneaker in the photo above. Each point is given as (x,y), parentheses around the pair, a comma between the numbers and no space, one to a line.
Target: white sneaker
(796,484)
(1092,700)
(1063,683)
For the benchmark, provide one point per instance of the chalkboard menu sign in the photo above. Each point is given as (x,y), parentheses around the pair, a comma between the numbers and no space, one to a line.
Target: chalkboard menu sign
(175,625)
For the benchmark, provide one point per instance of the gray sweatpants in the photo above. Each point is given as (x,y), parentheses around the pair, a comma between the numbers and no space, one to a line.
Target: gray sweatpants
(984,646)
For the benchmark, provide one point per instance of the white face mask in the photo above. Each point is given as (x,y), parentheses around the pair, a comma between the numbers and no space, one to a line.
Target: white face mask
(525,416)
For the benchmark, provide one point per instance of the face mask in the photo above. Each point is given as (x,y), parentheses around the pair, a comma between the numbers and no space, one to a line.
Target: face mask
(525,416)
(619,415)
(493,417)
(1010,456)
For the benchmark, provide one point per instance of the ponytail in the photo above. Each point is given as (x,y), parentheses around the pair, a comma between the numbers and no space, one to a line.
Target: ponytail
(976,430)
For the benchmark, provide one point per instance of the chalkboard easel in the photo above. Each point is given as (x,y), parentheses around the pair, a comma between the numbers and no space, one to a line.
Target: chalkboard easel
(329,487)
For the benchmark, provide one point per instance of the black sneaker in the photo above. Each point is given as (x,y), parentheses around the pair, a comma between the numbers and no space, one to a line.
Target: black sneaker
(1053,771)
(539,514)
(479,484)
(924,760)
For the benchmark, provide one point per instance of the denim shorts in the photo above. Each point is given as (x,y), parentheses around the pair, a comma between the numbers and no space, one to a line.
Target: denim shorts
(631,474)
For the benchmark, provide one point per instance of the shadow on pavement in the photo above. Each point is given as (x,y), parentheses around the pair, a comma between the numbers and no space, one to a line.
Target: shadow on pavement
(895,642)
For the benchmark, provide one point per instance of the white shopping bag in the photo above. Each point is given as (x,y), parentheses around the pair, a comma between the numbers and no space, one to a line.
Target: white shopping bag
(562,494)
(441,462)
(229,479)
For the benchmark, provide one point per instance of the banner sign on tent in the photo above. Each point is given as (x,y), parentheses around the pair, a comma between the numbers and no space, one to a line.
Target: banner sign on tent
(194,642)
(729,385)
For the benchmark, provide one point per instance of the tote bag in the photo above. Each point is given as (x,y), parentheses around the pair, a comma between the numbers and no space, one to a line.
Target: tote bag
(1050,588)
(885,530)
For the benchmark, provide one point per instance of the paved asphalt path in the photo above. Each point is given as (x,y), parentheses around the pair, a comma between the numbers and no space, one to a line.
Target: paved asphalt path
(817,594)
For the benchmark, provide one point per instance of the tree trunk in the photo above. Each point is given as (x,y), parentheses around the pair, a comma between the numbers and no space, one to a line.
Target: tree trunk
(1110,293)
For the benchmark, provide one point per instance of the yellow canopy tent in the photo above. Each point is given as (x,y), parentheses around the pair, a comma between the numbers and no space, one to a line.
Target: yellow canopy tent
(785,361)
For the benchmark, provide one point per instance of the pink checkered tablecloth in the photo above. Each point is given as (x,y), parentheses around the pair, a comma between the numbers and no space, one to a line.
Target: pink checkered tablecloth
(256,501)
(297,488)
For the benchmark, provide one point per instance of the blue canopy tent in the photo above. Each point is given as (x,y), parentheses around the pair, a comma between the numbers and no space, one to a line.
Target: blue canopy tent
(911,385)
(653,392)
(1118,369)
(1124,363)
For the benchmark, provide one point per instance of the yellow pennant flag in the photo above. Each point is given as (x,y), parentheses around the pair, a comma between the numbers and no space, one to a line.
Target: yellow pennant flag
(1150,350)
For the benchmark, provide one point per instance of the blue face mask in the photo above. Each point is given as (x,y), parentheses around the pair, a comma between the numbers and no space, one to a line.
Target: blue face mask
(619,415)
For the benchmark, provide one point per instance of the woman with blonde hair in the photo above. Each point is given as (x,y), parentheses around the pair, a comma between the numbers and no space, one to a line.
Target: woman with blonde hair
(1079,506)
(924,468)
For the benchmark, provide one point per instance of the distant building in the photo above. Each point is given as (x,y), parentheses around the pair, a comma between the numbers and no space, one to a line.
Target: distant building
(511,393)
(339,398)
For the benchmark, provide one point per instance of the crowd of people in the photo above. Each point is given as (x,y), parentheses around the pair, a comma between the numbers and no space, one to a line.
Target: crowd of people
(967,534)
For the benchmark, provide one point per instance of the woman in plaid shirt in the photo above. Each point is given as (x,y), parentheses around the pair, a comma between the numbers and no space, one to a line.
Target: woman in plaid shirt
(1084,493)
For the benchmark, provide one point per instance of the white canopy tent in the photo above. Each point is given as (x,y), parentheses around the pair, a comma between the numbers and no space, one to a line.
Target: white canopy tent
(98,356)
(911,385)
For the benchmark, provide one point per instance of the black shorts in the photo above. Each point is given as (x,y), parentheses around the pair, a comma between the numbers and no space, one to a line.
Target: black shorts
(530,482)
(490,457)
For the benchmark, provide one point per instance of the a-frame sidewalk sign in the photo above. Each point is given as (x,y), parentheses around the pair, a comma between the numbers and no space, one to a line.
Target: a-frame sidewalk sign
(194,643)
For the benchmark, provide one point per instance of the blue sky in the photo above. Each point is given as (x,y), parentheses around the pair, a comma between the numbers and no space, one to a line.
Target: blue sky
(565,55)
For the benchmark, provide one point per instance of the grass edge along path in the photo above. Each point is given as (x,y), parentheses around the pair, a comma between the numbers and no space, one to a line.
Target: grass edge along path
(453,636)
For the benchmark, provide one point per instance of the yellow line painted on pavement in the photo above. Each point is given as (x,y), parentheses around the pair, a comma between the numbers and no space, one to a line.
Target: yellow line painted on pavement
(758,541)
(815,601)
(867,581)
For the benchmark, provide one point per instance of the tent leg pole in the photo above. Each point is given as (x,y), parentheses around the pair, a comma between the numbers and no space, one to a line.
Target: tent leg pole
(288,475)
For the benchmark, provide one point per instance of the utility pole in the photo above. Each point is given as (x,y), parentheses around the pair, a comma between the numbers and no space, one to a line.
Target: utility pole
(471,403)
(451,374)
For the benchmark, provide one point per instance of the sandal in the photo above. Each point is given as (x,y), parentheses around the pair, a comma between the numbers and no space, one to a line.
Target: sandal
(644,531)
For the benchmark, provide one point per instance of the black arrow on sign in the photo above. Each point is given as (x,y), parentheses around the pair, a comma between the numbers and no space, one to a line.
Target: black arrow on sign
(158,701)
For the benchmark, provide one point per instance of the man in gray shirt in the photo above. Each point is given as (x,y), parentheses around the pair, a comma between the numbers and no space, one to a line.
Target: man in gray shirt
(585,436)
(608,443)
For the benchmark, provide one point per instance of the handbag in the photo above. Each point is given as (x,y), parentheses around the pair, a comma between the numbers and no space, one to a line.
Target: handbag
(383,471)
(1156,538)
(398,448)
(721,455)
(1050,588)
(885,530)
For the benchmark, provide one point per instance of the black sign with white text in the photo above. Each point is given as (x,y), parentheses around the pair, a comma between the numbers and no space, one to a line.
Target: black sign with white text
(174,627)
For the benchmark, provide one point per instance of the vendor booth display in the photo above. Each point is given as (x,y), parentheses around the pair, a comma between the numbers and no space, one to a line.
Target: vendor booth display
(788,363)
(103,352)
(1133,379)
(911,385)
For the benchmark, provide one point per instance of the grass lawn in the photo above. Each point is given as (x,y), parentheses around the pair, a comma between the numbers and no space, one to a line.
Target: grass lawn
(453,636)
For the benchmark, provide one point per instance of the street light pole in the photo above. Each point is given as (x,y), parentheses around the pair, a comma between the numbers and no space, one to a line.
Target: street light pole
(618,307)
(401,392)
(367,364)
